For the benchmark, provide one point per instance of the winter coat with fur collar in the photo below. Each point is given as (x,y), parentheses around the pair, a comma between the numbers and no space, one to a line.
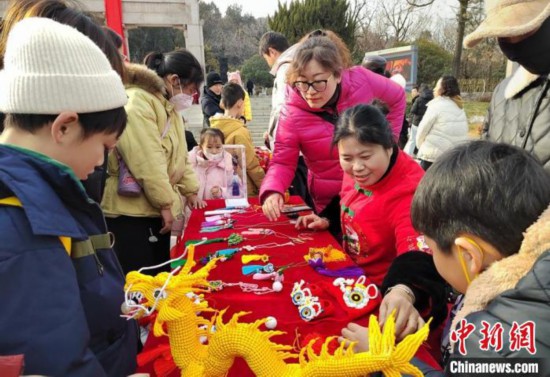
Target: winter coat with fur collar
(515,289)
(519,114)
(154,148)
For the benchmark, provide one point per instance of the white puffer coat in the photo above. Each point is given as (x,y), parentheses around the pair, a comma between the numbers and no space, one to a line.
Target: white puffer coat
(444,126)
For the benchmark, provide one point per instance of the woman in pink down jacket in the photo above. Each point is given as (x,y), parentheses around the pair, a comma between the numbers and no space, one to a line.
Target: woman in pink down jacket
(320,90)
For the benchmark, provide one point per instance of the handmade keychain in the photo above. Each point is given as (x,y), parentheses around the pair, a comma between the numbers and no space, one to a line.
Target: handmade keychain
(245,259)
(255,268)
(210,229)
(218,285)
(269,245)
(232,240)
(223,254)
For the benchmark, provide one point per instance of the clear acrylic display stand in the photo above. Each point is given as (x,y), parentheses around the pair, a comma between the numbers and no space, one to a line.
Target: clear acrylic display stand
(237,194)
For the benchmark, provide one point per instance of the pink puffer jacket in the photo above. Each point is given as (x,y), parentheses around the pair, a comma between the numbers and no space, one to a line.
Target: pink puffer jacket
(299,129)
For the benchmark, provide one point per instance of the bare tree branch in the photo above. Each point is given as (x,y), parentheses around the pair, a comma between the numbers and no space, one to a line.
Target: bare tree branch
(420,3)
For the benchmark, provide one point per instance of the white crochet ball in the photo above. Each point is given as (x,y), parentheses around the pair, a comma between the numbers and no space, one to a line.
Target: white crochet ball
(124,308)
(277,286)
(271,323)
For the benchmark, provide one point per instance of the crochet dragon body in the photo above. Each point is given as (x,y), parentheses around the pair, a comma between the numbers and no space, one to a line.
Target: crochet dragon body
(208,347)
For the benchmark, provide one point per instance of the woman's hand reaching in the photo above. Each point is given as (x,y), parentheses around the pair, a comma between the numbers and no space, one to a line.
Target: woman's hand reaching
(312,222)
(273,205)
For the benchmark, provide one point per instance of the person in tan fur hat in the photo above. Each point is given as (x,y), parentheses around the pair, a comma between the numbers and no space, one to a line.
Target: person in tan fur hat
(490,238)
(519,113)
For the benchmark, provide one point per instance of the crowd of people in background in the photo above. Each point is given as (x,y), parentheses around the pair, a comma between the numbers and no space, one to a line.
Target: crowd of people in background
(97,171)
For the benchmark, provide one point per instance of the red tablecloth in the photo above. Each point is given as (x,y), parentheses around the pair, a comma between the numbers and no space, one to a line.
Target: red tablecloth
(278,305)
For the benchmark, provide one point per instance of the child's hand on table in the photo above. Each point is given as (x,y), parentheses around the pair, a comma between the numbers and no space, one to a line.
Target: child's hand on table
(194,202)
(355,333)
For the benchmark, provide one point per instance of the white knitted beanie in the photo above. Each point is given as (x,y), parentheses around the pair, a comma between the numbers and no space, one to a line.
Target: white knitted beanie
(50,68)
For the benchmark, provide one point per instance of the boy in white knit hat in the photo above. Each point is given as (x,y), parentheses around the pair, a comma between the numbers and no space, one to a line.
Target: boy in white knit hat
(61,283)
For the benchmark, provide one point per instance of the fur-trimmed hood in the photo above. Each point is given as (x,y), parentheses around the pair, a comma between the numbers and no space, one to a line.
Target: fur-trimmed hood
(520,80)
(506,273)
(145,78)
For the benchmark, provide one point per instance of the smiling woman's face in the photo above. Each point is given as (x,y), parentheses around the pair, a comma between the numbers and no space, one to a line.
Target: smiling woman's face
(311,73)
(365,163)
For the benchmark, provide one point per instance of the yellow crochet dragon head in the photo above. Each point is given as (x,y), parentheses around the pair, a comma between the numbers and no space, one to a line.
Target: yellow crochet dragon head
(168,294)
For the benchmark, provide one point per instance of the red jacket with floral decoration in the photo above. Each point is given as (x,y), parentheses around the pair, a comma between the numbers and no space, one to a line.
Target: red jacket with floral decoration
(376,221)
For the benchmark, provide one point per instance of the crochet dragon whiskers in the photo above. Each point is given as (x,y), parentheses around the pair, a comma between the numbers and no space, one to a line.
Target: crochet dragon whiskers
(202,347)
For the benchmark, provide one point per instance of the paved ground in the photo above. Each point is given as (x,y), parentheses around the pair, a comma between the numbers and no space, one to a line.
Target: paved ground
(261,108)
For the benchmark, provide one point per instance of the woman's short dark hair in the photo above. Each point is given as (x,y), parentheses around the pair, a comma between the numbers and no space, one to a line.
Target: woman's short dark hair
(491,190)
(449,86)
(108,121)
(231,93)
(367,124)
(207,133)
(179,62)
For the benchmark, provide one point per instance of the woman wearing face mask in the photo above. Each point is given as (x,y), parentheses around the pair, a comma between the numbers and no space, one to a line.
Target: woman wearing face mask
(153,148)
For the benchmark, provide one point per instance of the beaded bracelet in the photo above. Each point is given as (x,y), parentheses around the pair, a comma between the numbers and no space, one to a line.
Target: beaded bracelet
(403,288)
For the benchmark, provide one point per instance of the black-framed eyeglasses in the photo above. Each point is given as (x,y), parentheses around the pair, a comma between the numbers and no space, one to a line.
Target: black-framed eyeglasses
(317,85)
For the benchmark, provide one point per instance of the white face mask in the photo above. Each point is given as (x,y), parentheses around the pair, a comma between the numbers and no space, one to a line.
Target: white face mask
(212,156)
(181,101)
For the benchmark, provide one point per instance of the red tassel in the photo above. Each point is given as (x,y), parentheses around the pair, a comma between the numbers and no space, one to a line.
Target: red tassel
(164,367)
(148,356)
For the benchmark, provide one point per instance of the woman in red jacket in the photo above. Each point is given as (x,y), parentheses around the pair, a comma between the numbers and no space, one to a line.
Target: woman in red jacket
(378,186)
(320,90)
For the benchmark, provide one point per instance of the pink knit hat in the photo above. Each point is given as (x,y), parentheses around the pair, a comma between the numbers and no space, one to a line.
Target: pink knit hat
(235,77)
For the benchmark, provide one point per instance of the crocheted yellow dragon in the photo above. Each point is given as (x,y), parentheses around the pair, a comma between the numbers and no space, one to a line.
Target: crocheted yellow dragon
(199,349)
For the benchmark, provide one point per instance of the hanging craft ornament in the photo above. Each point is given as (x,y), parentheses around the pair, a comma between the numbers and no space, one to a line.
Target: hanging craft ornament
(209,227)
(315,258)
(245,259)
(309,305)
(270,245)
(218,285)
(355,293)
(223,254)
(234,239)
(255,268)
(218,217)
(327,254)
(257,231)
